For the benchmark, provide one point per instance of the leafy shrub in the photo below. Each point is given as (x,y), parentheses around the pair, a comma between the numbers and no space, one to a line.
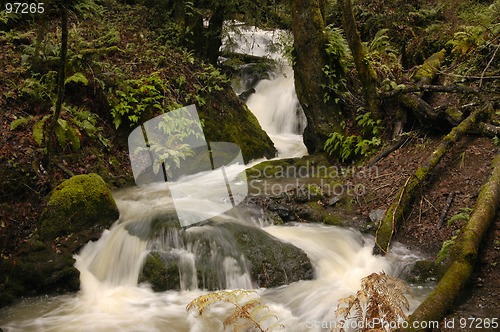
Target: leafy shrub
(140,98)
(338,51)
(347,147)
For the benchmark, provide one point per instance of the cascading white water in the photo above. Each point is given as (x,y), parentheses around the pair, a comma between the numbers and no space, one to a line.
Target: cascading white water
(276,106)
(111,300)
(274,101)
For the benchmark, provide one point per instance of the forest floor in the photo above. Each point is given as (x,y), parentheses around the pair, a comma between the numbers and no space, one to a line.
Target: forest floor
(464,170)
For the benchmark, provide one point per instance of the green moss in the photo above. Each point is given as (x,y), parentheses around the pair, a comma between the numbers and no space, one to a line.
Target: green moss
(155,273)
(428,70)
(226,119)
(82,202)
(425,271)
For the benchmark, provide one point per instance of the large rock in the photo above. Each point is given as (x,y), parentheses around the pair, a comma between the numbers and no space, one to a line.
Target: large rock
(226,119)
(272,262)
(80,203)
(269,261)
(77,212)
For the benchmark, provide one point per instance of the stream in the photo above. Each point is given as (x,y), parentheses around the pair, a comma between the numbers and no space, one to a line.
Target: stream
(110,298)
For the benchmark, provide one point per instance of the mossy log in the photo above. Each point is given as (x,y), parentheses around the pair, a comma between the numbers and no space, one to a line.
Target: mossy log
(466,250)
(401,205)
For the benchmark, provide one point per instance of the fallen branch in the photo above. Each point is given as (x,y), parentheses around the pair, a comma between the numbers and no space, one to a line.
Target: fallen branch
(430,88)
(446,209)
(466,250)
(390,150)
(488,130)
(397,210)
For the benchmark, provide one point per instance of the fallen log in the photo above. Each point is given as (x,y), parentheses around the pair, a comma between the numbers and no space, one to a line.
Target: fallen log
(402,203)
(465,252)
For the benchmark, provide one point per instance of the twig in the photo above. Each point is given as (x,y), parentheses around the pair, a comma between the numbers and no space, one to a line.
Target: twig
(430,204)
(382,186)
(446,209)
(487,66)
(391,149)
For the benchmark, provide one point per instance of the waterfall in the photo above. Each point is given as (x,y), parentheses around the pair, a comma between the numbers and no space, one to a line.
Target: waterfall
(274,101)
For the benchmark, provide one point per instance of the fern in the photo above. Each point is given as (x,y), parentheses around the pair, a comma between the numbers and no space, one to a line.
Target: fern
(141,96)
(38,130)
(468,40)
(21,122)
(245,316)
(346,147)
(446,249)
(380,300)
(66,135)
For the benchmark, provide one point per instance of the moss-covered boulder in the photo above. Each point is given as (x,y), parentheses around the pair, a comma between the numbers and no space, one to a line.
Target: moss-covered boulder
(211,247)
(272,262)
(77,204)
(77,212)
(226,119)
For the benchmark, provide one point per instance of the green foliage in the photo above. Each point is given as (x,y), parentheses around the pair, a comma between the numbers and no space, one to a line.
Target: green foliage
(466,41)
(347,147)
(39,88)
(464,214)
(209,80)
(39,131)
(140,98)
(67,136)
(77,78)
(446,249)
(380,299)
(384,58)
(86,121)
(247,316)
(68,131)
(496,140)
(338,52)
(21,122)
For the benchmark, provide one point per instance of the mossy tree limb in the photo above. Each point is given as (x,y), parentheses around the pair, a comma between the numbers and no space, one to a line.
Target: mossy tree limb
(365,71)
(402,204)
(466,250)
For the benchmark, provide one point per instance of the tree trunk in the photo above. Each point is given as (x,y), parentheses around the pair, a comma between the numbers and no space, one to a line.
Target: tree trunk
(365,72)
(60,84)
(308,27)
(466,249)
(397,210)
(214,35)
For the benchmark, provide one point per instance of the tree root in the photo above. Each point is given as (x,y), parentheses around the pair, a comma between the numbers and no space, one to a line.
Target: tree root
(466,250)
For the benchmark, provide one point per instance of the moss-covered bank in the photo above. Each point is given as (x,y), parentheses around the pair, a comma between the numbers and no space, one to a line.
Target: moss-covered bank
(77,212)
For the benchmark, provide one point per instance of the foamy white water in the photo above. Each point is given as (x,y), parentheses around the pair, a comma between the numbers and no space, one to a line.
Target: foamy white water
(111,300)
(274,101)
